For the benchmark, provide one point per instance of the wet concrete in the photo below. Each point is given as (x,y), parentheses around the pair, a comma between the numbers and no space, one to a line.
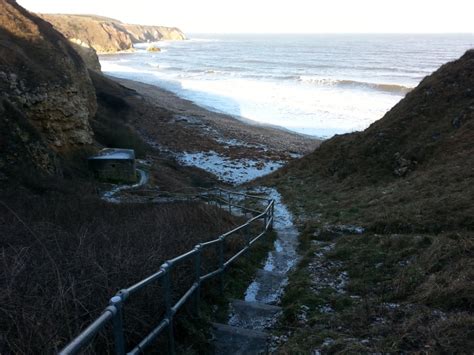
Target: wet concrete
(257,313)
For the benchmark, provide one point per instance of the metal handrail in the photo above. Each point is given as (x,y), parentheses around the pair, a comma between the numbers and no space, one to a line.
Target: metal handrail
(113,313)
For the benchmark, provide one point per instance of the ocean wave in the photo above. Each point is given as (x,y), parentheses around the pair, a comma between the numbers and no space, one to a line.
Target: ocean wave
(393,88)
(203,40)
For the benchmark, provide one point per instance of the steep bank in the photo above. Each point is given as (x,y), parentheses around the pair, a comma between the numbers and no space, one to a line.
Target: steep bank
(107,35)
(420,152)
(47,97)
(387,241)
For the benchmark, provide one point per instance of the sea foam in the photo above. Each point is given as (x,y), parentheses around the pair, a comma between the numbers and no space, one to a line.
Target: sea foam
(315,84)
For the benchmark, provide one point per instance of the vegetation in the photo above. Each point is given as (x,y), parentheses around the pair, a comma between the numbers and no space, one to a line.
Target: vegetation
(65,254)
(403,292)
(110,124)
(406,283)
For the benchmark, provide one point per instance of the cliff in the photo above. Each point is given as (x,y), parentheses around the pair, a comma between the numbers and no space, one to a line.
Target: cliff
(46,94)
(107,35)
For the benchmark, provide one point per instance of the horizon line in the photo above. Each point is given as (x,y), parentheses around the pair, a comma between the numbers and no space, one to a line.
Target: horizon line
(331,33)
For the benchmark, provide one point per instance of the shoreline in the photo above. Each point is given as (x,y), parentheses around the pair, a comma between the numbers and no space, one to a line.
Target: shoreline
(231,149)
(228,125)
(176,99)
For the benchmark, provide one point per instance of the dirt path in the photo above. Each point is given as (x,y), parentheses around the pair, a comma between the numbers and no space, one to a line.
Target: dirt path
(111,195)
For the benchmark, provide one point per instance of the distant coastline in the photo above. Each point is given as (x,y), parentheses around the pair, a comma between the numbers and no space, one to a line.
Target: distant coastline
(107,35)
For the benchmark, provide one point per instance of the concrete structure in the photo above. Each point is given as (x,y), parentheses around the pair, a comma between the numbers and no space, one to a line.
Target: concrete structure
(115,165)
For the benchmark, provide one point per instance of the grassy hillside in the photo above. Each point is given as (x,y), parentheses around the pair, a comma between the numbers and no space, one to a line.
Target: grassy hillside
(407,282)
(410,171)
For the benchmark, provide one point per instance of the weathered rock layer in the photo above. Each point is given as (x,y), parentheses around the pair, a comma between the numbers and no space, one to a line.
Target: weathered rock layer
(45,81)
(107,35)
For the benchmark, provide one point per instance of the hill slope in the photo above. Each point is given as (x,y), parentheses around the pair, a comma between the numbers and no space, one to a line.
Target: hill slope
(420,152)
(107,35)
(405,282)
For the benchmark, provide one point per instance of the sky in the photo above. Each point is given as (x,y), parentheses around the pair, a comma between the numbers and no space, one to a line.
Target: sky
(279,16)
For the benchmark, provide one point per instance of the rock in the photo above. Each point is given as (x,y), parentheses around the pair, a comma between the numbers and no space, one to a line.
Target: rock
(45,83)
(88,55)
(142,33)
(106,35)
(153,49)
(403,165)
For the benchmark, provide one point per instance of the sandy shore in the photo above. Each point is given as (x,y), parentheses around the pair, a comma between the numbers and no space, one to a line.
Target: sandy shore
(234,150)
(221,126)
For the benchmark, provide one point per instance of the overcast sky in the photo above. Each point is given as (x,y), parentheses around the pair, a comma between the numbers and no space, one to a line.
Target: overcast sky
(276,16)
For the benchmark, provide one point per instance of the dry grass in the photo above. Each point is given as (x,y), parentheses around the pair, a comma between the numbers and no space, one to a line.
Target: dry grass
(409,293)
(63,255)
(408,180)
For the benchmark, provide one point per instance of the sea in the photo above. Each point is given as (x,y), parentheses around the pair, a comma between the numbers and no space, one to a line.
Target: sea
(315,84)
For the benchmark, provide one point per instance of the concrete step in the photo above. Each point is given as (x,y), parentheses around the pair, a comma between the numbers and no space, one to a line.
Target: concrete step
(253,315)
(234,340)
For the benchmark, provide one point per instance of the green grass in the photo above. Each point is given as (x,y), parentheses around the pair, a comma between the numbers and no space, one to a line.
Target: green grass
(215,304)
(425,277)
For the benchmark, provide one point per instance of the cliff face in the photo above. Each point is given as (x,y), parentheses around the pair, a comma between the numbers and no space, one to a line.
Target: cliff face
(153,33)
(107,35)
(46,95)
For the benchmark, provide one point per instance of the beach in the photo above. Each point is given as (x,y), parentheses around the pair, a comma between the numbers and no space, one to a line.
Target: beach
(320,85)
(235,150)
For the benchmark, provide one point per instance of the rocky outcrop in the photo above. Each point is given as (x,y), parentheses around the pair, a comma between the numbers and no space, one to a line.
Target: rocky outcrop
(153,49)
(44,82)
(107,35)
(20,144)
(88,55)
(153,33)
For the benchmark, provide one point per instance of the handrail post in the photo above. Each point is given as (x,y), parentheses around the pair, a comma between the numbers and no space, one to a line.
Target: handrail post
(221,263)
(229,201)
(248,237)
(272,214)
(169,313)
(197,267)
(117,324)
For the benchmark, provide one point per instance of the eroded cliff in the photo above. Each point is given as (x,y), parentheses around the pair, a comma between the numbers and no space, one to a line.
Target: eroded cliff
(108,35)
(46,95)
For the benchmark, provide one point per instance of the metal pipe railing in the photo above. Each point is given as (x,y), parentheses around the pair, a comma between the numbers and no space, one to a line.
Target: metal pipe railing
(114,312)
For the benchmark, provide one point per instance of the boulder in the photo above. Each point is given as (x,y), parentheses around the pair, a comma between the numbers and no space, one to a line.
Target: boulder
(153,49)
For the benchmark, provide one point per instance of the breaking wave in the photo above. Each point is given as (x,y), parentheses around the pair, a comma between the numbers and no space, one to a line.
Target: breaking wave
(393,88)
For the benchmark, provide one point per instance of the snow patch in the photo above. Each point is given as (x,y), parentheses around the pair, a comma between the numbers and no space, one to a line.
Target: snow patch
(251,292)
(115,155)
(234,171)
